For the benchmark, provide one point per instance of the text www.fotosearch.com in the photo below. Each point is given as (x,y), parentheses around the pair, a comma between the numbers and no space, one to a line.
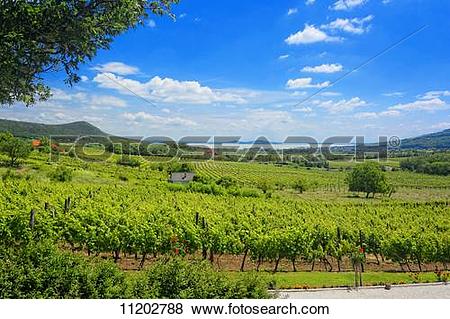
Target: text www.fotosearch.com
(241,309)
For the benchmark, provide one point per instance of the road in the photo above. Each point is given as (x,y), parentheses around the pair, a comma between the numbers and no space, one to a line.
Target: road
(419,291)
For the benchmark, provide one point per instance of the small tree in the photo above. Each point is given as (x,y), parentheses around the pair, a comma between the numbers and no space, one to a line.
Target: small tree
(299,186)
(367,178)
(14,148)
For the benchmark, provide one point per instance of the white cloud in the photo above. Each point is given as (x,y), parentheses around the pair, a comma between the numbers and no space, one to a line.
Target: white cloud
(156,120)
(117,68)
(386,1)
(283,57)
(305,109)
(342,105)
(168,90)
(305,83)
(106,101)
(431,105)
(84,78)
(310,2)
(355,25)
(324,68)
(310,34)
(330,93)
(60,95)
(374,115)
(442,125)
(394,94)
(151,23)
(434,94)
(390,113)
(365,115)
(292,11)
(347,4)
(183,15)
(298,93)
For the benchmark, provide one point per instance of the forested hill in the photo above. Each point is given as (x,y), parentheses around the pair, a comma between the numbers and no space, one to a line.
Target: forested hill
(439,140)
(27,129)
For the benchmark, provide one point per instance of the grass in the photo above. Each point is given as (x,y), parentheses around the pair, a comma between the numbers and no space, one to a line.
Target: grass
(303,280)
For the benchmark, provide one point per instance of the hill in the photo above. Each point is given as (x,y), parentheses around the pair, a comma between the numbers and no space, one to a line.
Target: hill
(439,140)
(28,129)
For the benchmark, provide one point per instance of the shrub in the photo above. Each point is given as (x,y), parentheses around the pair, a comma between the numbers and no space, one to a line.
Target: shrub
(40,270)
(299,186)
(227,181)
(129,161)
(123,178)
(177,278)
(62,174)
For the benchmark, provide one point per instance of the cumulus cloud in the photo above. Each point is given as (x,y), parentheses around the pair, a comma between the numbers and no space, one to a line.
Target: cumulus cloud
(151,23)
(442,125)
(84,78)
(394,94)
(292,11)
(305,109)
(434,94)
(117,68)
(374,115)
(156,120)
(168,90)
(60,97)
(324,68)
(310,2)
(347,4)
(355,25)
(330,93)
(107,101)
(342,105)
(283,57)
(305,83)
(310,34)
(431,105)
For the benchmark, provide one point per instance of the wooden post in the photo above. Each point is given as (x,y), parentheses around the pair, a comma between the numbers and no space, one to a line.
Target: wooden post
(32,218)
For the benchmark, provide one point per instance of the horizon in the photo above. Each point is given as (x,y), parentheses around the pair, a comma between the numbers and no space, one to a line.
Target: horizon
(266,70)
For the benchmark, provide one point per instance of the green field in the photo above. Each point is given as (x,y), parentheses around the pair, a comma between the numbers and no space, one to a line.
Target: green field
(132,214)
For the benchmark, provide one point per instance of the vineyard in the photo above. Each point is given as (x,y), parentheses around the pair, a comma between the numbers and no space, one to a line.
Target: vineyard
(123,211)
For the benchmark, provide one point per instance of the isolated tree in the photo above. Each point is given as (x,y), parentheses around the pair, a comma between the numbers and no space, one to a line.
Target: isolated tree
(39,36)
(367,178)
(299,186)
(14,148)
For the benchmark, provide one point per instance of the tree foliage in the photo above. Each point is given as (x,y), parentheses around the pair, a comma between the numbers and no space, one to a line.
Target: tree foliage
(367,178)
(51,35)
(14,148)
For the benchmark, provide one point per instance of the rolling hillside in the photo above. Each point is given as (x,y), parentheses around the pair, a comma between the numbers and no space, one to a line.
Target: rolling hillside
(439,140)
(27,129)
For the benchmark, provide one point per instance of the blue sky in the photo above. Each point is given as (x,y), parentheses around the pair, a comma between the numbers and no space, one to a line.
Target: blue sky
(252,68)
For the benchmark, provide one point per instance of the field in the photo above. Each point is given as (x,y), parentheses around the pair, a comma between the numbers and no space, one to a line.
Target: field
(132,215)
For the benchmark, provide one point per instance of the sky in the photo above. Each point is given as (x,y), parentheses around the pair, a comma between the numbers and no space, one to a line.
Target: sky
(267,68)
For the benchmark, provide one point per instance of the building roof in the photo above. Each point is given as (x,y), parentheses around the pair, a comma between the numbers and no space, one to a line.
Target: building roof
(183,177)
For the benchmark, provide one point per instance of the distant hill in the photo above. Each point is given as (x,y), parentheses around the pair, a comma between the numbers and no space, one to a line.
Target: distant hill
(27,129)
(439,140)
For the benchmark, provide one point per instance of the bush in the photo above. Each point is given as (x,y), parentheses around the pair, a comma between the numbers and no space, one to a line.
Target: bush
(123,178)
(299,186)
(42,271)
(62,174)
(177,278)
(227,181)
(129,161)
